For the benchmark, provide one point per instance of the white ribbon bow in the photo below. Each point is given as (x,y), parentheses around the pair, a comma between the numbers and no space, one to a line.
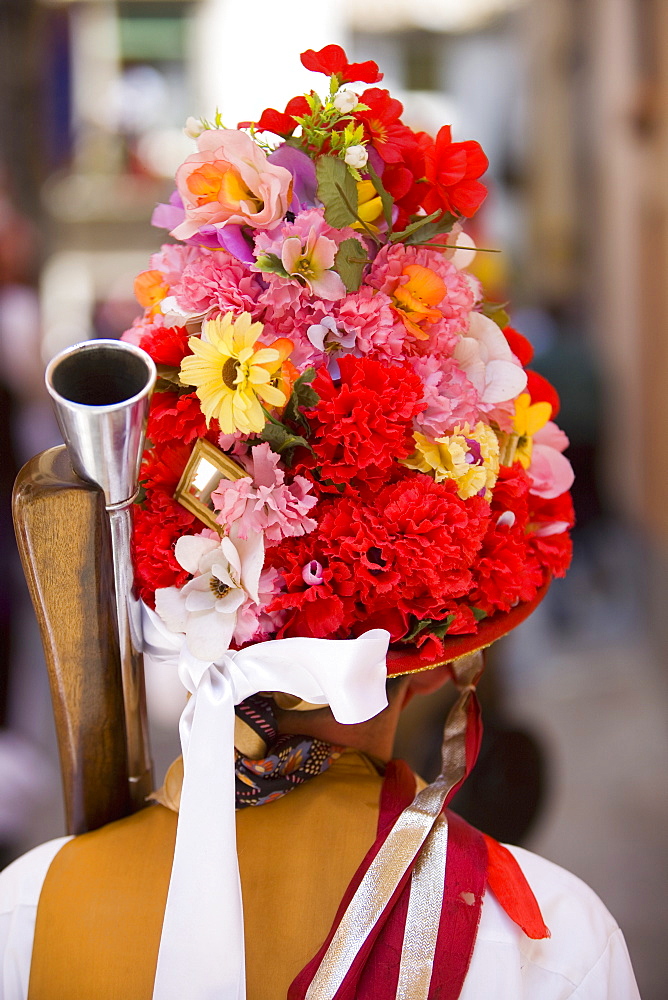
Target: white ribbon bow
(201,953)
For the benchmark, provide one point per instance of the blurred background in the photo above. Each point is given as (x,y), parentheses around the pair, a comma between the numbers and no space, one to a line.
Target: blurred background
(569,98)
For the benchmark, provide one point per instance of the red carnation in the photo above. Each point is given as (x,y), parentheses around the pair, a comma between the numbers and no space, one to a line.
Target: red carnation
(435,537)
(542,391)
(175,417)
(452,169)
(281,123)
(506,570)
(332,61)
(156,528)
(163,467)
(550,540)
(167,345)
(363,426)
(383,128)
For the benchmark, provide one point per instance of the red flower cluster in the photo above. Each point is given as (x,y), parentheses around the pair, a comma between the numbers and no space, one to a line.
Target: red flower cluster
(363,426)
(175,417)
(406,551)
(167,345)
(158,524)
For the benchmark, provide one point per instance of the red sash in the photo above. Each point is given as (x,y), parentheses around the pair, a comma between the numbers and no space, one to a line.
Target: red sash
(473,861)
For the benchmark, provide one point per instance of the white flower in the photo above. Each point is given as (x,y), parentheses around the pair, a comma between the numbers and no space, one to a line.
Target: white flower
(226,574)
(345,101)
(356,156)
(484,356)
(193,127)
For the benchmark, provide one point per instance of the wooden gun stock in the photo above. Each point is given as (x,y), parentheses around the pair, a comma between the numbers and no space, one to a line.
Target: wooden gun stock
(64,541)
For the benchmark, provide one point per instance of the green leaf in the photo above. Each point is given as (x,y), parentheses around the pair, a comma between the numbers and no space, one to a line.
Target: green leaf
(413,228)
(303,395)
(280,439)
(437,628)
(270,263)
(385,196)
(349,263)
(427,232)
(497,312)
(170,375)
(337,191)
(479,614)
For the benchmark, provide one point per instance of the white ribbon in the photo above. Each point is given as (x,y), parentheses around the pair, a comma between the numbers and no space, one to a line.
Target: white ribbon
(201,953)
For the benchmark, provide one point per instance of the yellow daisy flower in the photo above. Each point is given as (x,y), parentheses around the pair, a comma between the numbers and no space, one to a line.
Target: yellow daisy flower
(229,374)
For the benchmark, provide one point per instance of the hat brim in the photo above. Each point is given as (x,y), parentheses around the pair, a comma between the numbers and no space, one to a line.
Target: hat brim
(409,661)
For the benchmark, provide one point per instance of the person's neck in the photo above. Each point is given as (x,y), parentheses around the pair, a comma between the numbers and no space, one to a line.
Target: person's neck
(374,737)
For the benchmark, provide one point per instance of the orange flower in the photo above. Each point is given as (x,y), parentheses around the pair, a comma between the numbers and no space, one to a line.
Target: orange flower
(415,301)
(150,290)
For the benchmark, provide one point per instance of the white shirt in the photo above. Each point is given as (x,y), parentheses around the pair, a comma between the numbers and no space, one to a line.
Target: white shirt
(585,958)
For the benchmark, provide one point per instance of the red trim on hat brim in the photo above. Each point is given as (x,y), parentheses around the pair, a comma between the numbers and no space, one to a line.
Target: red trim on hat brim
(408,661)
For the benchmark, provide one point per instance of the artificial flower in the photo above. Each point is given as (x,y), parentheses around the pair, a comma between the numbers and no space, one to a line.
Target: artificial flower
(225,574)
(167,345)
(415,301)
(541,390)
(361,427)
(369,204)
(519,345)
(345,101)
(232,373)
(357,157)
(281,123)
(311,263)
(484,355)
(383,128)
(263,502)
(449,396)
(332,61)
(368,316)
(230,180)
(303,250)
(550,471)
(452,170)
(150,289)
(175,417)
(528,420)
(434,484)
(468,456)
(156,527)
(216,282)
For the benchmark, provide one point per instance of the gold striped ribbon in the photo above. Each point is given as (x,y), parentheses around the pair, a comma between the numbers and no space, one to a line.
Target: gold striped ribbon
(404,843)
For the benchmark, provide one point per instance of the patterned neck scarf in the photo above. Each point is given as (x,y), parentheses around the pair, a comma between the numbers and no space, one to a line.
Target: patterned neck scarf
(268,764)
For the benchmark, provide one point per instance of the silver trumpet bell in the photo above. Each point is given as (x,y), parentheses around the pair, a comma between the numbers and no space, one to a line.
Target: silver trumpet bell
(101,391)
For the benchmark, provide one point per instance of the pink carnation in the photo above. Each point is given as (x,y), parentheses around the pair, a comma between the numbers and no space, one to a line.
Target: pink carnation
(450,397)
(368,314)
(289,311)
(172,259)
(217,282)
(265,503)
(387,274)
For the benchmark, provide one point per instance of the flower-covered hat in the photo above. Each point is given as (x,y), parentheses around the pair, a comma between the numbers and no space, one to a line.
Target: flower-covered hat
(346,450)
(378,453)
